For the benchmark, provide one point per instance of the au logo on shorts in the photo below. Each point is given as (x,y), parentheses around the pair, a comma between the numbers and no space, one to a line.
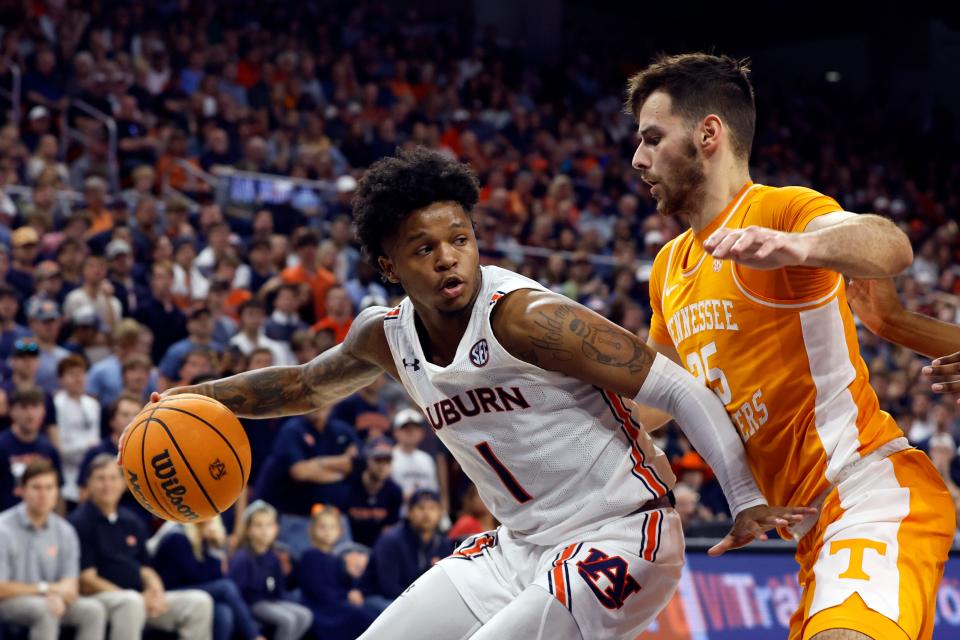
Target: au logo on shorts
(479,353)
(620,585)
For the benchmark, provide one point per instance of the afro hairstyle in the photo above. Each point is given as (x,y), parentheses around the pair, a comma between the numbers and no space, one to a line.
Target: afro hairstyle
(393,188)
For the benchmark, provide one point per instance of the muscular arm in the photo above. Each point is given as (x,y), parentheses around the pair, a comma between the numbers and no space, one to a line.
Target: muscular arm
(877,304)
(284,391)
(551,332)
(858,246)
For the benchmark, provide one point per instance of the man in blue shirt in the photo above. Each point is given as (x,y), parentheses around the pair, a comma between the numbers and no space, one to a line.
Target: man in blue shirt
(200,334)
(405,552)
(311,460)
(114,569)
(23,442)
(375,499)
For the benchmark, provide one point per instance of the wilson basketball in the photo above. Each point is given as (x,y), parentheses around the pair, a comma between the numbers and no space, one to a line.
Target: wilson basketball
(186,458)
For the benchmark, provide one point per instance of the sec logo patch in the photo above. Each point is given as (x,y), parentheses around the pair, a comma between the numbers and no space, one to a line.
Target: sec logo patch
(479,353)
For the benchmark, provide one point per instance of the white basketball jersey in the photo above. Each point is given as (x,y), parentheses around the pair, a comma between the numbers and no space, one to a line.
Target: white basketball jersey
(550,455)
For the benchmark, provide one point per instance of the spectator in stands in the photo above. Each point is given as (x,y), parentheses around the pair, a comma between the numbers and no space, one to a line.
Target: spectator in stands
(98,214)
(121,413)
(308,272)
(10,330)
(303,347)
(45,323)
(114,565)
(22,442)
(339,314)
(251,334)
(375,499)
(120,274)
(48,282)
(43,84)
(25,242)
(105,378)
(341,236)
(70,255)
(405,552)
(258,570)
(224,326)
(329,590)
(364,411)
(78,422)
(942,450)
(159,313)
(40,564)
(199,334)
(83,335)
(144,180)
(24,364)
(135,144)
(192,556)
(200,361)
(311,459)
(96,291)
(284,321)
(474,517)
(138,376)
(189,283)
(261,266)
(260,358)
(412,469)
(688,505)
(364,288)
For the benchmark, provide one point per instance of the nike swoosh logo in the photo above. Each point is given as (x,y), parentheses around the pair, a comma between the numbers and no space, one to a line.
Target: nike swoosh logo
(668,290)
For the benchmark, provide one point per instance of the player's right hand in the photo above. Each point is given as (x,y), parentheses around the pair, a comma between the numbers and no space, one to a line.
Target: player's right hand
(154,397)
(945,373)
(753,523)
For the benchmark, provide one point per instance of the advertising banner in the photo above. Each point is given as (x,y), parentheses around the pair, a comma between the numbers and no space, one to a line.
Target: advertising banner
(752,596)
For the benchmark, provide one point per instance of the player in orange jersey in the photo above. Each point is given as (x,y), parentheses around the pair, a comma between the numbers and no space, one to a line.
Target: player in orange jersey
(751,300)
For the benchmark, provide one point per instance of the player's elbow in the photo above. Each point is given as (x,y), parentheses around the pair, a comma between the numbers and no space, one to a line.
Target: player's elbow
(902,255)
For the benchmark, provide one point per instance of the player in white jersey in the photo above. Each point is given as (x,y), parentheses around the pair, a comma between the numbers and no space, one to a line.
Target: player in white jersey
(527,389)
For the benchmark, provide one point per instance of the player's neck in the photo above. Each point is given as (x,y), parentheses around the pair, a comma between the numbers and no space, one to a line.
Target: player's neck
(719,190)
(440,333)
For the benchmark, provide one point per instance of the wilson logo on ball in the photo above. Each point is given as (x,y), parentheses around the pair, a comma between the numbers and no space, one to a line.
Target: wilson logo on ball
(164,470)
(217,469)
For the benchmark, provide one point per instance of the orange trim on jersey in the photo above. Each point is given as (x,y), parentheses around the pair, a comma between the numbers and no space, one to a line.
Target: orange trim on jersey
(393,313)
(558,575)
(481,543)
(651,534)
(645,473)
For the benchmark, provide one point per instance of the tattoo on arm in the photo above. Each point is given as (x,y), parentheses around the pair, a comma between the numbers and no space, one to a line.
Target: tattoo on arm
(564,325)
(281,391)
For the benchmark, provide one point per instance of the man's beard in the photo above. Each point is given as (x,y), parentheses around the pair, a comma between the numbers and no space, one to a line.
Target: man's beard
(687,190)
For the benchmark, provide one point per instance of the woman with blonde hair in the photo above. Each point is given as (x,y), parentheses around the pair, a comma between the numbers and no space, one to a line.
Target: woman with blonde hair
(194,556)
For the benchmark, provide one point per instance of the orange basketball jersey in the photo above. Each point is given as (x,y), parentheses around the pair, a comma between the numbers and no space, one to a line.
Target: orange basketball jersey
(778,347)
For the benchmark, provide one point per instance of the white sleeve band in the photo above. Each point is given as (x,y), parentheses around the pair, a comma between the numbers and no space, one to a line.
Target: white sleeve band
(704,420)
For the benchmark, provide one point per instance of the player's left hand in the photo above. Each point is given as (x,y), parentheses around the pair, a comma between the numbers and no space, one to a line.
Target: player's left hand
(758,247)
(753,523)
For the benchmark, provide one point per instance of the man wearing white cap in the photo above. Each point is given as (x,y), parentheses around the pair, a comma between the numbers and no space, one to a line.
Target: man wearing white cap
(413,469)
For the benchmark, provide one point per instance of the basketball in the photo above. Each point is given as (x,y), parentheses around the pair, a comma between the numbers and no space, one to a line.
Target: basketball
(186,458)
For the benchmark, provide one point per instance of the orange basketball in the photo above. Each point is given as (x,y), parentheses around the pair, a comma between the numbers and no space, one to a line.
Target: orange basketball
(186,458)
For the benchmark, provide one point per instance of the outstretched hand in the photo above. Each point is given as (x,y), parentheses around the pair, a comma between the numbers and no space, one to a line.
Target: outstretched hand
(753,523)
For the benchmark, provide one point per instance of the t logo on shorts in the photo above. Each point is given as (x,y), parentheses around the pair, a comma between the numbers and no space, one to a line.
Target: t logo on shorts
(599,565)
(857,546)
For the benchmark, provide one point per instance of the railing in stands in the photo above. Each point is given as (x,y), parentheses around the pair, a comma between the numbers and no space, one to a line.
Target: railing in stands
(13,93)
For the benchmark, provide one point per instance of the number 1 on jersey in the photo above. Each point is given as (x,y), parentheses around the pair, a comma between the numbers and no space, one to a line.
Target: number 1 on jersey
(507,478)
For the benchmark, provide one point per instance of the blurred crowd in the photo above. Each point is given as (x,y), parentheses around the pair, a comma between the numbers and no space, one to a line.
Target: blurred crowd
(128,272)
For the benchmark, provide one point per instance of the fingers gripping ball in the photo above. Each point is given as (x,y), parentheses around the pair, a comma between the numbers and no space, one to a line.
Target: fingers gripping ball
(186,458)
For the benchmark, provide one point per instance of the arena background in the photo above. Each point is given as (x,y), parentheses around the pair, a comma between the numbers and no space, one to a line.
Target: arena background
(857,100)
